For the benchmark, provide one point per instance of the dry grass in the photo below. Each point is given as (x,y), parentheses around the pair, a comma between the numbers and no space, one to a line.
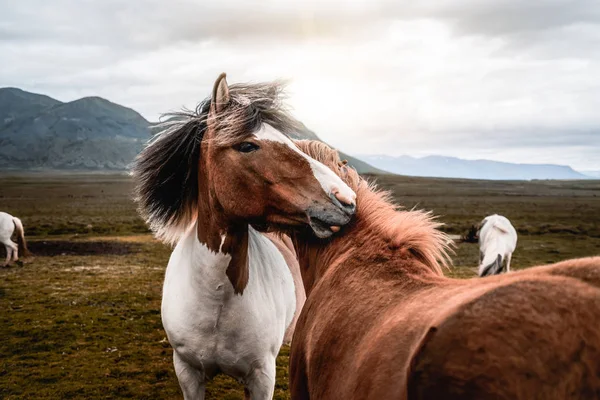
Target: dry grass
(82,318)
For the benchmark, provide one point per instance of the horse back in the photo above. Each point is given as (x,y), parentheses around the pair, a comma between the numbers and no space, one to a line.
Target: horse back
(528,338)
(584,269)
(524,335)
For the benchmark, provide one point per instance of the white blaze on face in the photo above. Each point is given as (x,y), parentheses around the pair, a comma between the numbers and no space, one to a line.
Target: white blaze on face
(329,181)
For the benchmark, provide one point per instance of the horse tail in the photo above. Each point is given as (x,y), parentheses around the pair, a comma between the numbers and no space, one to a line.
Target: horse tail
(494,268)
(21,237)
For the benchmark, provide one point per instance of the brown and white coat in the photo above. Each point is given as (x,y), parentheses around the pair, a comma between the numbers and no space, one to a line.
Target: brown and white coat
(209,183)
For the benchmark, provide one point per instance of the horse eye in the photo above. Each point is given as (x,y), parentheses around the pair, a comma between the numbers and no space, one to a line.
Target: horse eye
(247,147)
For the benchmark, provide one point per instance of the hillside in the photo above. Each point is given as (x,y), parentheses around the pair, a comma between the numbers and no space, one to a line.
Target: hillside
(361,166)
(593,174)
(39,132)
(16,103)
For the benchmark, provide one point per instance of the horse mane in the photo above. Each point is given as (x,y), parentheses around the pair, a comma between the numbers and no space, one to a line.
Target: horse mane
(250,106)
(415,230)
(166,171)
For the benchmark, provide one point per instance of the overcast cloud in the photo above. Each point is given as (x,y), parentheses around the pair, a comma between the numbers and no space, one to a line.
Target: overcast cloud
(506,80)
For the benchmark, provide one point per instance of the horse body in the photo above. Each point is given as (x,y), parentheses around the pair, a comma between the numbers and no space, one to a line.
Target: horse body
(208,183)
(497,242)
(8,225)
(381,321)
(202,315)
(523,337)
(444,339)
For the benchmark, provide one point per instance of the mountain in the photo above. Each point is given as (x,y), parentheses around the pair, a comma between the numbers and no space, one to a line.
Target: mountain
(361,166)
(39,132)
(592,174)
(16,103)
(451,167)
(89,133)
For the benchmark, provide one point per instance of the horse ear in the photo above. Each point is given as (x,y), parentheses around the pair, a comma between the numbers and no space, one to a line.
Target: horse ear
(221,93)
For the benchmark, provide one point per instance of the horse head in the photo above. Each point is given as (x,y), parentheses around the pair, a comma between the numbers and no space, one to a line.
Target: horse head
(231,164)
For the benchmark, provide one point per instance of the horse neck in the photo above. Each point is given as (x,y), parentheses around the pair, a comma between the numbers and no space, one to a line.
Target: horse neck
(220,233)
(215,228)
(360,244)
(212,226)
(317,257)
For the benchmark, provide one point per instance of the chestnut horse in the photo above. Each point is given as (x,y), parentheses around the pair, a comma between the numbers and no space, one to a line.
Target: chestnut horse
(382,322)
(207,183)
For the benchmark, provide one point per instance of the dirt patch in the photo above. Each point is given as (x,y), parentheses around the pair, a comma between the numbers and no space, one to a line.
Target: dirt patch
(52,248)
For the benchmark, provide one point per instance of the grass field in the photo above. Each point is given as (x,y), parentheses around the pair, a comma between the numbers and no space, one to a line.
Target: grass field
(81,319)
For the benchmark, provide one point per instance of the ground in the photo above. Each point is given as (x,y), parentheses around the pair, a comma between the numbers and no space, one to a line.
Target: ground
(81,318)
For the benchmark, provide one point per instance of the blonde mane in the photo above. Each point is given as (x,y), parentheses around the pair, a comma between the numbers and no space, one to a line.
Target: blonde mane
(415,230)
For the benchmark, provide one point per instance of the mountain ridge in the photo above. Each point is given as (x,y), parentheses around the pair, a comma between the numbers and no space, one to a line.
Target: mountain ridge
(91,133)
(454,167)
(14,102)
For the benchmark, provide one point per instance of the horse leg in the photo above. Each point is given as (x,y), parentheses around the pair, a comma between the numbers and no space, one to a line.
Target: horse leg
(15,251)
(191,380)
(260,385)
(508,262)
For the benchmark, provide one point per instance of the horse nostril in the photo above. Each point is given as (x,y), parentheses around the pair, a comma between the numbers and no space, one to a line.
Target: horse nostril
(351,207)
(347,204)
(344,200)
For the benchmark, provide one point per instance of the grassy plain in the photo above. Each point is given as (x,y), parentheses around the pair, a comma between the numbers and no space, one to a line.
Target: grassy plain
(81,319)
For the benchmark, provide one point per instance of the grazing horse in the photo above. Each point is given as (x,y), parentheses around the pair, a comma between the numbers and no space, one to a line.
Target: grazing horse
(208,183)
(497,242)
(382,322)
(8,225)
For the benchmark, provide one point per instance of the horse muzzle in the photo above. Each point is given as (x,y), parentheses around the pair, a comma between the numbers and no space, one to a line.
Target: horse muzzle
(325,220)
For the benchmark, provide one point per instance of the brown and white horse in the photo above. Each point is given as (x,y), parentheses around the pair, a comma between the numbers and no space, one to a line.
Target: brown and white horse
(382,322)
(208,183)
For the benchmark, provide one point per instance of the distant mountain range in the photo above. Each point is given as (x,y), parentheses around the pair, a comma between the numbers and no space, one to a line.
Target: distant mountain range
(39,132)
(451,167)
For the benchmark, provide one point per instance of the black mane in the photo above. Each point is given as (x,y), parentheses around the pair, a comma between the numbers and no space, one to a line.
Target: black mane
(166,171)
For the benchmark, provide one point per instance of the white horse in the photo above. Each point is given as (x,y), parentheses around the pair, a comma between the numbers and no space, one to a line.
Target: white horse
(497,242)
(209,183)
(8,225)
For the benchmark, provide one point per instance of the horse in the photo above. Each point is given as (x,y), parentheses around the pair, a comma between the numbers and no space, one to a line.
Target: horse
(208,183)
(497,242)
(381,321)
(8,226)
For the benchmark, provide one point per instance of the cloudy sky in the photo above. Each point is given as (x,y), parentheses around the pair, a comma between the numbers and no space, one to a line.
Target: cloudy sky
(508,80)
